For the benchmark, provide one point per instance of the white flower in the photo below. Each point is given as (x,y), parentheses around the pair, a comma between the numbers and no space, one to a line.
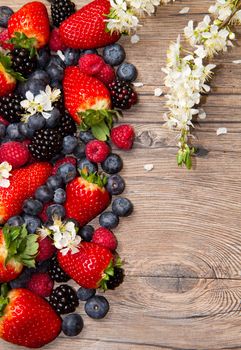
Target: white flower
(121,19)
(5,169)
(173,54)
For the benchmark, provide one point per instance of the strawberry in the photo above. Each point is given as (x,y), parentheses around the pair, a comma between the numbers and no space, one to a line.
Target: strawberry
(27,319)
(7,79)
(31,20)
(86,197)
(23,184)
(15,153)
(86,29)
(123,136)
(90,267)
(18,248)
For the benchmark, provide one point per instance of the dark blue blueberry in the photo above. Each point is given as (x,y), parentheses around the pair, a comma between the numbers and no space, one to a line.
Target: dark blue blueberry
(85,293)
(32,206)
(84,163)
(86,136)
(36,121)
(67,171)
(72,325)
(86,233)
(71,57)
(15,221)
(113,164)
(59,196)
(79,151)
(53,121)
(42,266)
(115,184)
(97,307)
(114,54)
(40,75)
(54,182)
(56,60)
(127,72)
(69,144)
(33,85)
(25,130)
(22,280)
(122,206)
(32,223)
(44,194)
(55,210)
(2,130)
(109,220)
(55,84)
(13,132)
(43,57)
(55,72)
(87,52)
(5,13)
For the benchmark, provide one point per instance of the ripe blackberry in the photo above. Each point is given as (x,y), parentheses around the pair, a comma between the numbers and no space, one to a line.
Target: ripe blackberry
(123,95)
(67,125)
(60,10)
(64,299)
(117,279)
(10,108)
(45,144)
(56,273)
(22,62)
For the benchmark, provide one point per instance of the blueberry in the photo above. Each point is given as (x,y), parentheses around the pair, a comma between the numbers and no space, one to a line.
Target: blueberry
(67,171)
(55,84)
(79,151)
(59,196)
(56,210)
(40,75)
(57,61)
(54,119)
(85,293)
(43,57)
(113,164)
(2,130)
(97,307)
(54,182)
(32,223)
(69,144)
(71,57)
(15,221)
(32,85)
(13,132)
(72,325)
(122,206)
(114,54)
(55,72)
(86,232)
(36,121)
(115,184)
(25,130)
(88,51)
(127,72)
(109,220)
(44,194)
(5,13)
(22,280)
(84,163)
(32,206)
(86,136)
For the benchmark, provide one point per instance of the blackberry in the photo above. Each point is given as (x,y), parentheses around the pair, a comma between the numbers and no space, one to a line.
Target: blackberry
(22,62)
(45,144)
(67,125)
(64,299)
(10,108)
(123,95)
(117,279)
(60,10)
(56,273)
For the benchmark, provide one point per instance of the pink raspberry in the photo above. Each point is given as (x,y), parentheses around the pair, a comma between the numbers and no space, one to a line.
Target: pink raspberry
(46,249)
(15,153)
(41,284)
(106,74)
(97,151)
(91,64)
(105,238)
(4,37)
(60,162)
(43,215)
(55,42)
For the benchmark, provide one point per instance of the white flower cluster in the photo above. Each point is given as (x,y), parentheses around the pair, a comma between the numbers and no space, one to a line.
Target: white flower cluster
(187,75)
(41,103)
(5,169)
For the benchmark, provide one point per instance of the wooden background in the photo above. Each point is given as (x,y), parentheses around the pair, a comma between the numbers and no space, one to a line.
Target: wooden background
(182,246)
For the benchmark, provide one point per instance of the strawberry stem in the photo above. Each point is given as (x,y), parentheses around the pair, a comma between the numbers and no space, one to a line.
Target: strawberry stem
(109,272)
(94,178)
(4,300)
(20,40)
(7,65)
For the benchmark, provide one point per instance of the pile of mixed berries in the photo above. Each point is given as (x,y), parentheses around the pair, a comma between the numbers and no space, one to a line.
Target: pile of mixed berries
(59,100)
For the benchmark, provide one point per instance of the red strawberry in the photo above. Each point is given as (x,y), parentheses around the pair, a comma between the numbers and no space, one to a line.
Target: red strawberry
(17,249)
(4,38)
(91,64)
(15,153)
(82,92)
(32,20)
(55,42)
(123,136)
(106,74)
(105,238)
(7,79)
(41,284)
(46,249)
(62,161)
(86,197)
(90,267)
(23,184)
(27,319)
(86,29)
(97,151)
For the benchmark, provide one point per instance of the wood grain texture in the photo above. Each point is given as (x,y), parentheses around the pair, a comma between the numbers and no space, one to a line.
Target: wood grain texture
(182,246)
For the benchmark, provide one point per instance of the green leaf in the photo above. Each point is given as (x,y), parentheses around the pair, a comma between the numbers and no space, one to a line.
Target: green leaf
(20,40)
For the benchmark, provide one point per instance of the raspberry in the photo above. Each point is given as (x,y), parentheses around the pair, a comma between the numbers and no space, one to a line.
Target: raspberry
(55,42)
(4,121)
(123,136)
(15,153)
(91,64)
(62,161)
(43,215)
(106,75)
(46,249)
(41,284)
(97,151)
(105,238)
(4,37)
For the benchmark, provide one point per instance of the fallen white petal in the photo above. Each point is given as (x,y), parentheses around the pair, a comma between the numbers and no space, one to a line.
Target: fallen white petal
(138,84)
(221,131)
(237,61)
(184,10)
(202,114)
(135,38)
(148,167)
(158,92)
(61,55)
